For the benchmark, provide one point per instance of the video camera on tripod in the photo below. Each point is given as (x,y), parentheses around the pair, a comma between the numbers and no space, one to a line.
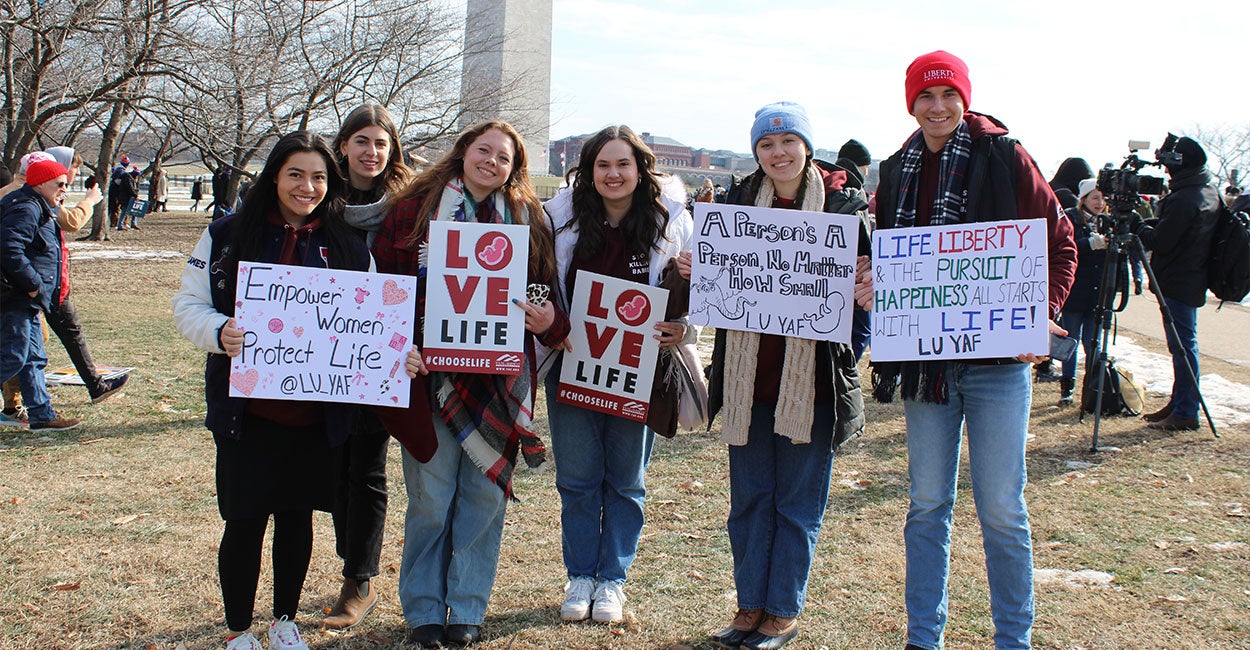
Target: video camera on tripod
(1123,187)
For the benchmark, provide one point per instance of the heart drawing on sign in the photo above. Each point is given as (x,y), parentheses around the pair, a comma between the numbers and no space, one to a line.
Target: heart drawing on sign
(392,294)
(298,331)
(630,311)
(493,254)
(244,382)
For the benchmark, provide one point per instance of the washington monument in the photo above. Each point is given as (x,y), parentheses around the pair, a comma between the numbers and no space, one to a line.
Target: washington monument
(508,60)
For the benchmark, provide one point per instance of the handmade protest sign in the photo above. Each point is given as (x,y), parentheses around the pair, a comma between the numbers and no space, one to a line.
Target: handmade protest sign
(326,335)
(612,364)
(773,271)
(969,291)
(474,272)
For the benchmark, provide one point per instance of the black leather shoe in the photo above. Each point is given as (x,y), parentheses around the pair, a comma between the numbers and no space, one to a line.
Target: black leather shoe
(459,636)
(1175,423)
(427,636)
(1159,415)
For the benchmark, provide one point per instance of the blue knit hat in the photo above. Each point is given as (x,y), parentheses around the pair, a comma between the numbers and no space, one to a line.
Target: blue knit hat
(781,117)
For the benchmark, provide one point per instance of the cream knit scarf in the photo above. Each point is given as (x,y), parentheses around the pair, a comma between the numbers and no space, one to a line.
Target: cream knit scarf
(797,397)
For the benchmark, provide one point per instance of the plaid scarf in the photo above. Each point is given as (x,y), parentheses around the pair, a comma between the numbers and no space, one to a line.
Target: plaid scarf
(925,381)
(491,415)
(950,205)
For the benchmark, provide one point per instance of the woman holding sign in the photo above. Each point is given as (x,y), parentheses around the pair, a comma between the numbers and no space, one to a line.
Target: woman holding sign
(788,404)
(456,501)
(615,220)
(273,456)
(372,164)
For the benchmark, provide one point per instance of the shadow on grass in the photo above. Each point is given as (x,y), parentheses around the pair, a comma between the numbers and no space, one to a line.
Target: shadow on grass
(21,438)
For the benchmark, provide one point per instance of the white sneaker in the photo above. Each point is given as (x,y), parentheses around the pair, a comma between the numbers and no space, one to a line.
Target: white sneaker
(245,641)
(609,601)
(577,595)
(284,635)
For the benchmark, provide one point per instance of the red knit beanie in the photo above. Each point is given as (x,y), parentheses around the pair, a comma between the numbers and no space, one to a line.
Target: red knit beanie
(43,171)
(938,68)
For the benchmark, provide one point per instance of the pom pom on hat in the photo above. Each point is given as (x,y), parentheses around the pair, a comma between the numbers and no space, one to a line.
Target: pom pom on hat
(855,152)
(43,171)
(938,68)
(781,117)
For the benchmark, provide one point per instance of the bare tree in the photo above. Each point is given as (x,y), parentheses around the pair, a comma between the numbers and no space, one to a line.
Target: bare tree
(1228,151)
(73,58)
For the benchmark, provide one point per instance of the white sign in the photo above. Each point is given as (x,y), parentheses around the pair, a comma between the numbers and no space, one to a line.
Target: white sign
(612,364)
(474,272)
(774,271)
(325,335)
(969,291)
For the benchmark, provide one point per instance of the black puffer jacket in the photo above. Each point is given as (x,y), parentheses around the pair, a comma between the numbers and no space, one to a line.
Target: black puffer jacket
(1089,266)
(836,357)
(1180,237)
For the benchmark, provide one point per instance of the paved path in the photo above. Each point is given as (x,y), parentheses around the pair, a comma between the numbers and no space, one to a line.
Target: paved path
(1223,334)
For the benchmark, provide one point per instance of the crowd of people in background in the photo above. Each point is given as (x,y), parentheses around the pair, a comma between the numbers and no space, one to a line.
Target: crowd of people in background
(787,404)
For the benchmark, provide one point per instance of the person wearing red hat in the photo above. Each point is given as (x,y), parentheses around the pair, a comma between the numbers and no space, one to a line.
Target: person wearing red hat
(960,167)
(31,265)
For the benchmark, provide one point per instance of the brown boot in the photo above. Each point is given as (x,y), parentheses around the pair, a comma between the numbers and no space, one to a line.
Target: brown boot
(773,633)
(1160,415)
(744,625)
(356,600)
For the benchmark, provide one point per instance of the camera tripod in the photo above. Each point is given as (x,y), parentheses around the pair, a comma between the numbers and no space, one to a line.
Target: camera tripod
(1118,244)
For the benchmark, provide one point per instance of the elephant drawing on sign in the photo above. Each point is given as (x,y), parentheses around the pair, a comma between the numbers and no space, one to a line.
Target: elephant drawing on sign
(731,306)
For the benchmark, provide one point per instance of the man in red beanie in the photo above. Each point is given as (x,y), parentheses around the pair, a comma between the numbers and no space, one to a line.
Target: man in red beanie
(30,262)
(960,167)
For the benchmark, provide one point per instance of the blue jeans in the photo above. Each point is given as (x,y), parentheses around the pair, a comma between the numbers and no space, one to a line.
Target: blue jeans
(994,402)
(1080,326)
(22,356)
(452,532)
(777,496)
(1184,391)
(601,464)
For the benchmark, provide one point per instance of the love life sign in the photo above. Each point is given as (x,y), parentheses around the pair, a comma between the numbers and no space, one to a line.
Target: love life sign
(474,272)
(773,271)
(612,365)
(969,291)
(325,335)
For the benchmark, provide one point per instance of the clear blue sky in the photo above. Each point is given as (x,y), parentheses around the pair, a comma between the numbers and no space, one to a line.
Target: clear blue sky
(1068,78)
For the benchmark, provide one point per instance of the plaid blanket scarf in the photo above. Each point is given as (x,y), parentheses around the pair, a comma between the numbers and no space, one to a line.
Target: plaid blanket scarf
(491,415)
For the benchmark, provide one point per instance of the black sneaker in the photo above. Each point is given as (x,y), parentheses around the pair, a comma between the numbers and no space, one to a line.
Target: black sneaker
(108,388)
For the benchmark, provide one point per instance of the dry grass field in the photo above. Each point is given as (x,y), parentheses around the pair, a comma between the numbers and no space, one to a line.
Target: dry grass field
(109,533)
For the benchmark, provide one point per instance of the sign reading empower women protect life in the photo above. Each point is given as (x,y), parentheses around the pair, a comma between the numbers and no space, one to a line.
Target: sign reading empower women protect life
(474,272)
(612,364)
(969,291)
(326,335)
(774,271)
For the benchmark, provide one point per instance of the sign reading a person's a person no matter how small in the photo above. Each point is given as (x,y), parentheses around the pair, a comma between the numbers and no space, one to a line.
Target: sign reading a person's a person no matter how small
(967,291)
(612,365)
(475,271)
(328,335)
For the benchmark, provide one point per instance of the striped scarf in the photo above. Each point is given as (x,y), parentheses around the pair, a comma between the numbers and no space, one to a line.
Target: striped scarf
(491,415)
(950,204)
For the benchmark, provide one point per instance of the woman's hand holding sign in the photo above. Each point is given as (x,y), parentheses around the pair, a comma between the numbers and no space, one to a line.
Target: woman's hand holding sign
(231,338)
(863,282)
(415,365)
(671,333)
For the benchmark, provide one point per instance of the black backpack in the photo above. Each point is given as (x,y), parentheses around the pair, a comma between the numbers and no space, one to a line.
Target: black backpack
(1228,269)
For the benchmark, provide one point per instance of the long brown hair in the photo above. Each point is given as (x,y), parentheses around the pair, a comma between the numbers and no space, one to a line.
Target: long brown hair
(518,193)
(397,173)
(646,221)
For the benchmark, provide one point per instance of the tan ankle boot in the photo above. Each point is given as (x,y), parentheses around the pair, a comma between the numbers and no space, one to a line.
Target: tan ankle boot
(356,600)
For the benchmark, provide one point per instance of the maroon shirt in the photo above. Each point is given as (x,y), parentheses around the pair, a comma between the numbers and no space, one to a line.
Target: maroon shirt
(613,261)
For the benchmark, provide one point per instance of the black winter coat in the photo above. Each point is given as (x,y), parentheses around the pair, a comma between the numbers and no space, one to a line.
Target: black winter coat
(837,357)
(1180,237)
(1089,266)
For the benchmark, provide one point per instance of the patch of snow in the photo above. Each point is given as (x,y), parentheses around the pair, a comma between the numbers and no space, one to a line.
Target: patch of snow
(1085,578)
(1228,401)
